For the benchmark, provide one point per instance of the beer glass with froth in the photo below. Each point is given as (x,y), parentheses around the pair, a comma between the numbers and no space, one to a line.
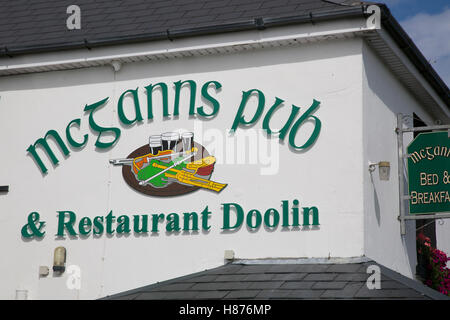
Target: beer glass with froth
(170,140)
(155,143)
(187,139)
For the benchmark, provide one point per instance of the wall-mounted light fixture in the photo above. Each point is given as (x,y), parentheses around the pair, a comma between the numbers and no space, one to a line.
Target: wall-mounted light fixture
(59,260)
(384,169)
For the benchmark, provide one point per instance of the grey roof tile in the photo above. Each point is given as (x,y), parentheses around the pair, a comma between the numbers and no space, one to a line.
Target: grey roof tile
(352,277)
(312,268)
(181,295)
(128,297)
(389,284)
(259,277)
(177,286)
(274,294)
(231,277)
(320,277)
(222,286)
(204,278)
(286,268)
(305,294)
(244,294)
(344,268)
(25,17)
(211,294)
(266,285)
(298,285)
(329,285)
(254,269)
(151,296)
(289,276)
(227,269)
(347,292)
(283,281)
(215,4)
(365,292)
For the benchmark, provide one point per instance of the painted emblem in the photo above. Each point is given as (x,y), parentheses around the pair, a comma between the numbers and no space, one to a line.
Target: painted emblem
(169,165)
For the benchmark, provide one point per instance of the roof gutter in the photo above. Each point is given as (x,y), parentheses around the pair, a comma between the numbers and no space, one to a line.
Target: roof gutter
(389,23)
(172,34)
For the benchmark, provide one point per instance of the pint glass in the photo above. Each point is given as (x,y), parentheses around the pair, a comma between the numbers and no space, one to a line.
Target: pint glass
(155,143)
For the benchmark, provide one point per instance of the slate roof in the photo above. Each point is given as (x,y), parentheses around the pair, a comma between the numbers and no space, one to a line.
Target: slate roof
(284,281)
(40,25)
(26,24)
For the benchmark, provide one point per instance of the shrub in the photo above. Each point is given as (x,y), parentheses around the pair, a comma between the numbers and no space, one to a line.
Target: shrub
(437,275)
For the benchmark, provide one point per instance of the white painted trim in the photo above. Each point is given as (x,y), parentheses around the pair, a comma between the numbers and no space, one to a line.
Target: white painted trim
(223,44)
(205,45)
(412,69)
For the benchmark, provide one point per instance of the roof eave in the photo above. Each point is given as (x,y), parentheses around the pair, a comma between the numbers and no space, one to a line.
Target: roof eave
(408,47)
(257,23)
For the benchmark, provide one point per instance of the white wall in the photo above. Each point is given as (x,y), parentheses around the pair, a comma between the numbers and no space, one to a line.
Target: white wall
(383,97)
(328,175)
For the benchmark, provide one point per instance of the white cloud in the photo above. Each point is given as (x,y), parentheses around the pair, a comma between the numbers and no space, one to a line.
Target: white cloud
(431,34)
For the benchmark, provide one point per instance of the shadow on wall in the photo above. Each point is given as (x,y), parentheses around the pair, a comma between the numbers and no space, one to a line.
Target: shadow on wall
(384,97)
(376,201)
(187,65)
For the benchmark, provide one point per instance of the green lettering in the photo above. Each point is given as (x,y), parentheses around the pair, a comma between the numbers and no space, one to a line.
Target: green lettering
(98,225)
(164,94)
(187,217)
(173,222)
(315,213)
(94,126)
(137,108)
(258,219)
(109,221)
(43,143)
(193,90)
(144,227)
(300,121)
(205,216)
(155,221)
(84,222)
(67,225)
(276,218)
(226,216)
(278,102)
(71,141)
(239,119)
(215,104)
(123,224)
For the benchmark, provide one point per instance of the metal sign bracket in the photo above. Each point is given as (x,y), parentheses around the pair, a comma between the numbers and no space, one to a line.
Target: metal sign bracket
(402,156)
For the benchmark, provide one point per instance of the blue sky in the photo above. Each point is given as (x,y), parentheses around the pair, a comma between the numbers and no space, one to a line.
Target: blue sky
(427,22)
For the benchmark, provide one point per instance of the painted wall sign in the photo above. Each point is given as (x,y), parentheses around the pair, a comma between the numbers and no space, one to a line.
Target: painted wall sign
(173,163)
(129,103)
(290,217)
(428,173)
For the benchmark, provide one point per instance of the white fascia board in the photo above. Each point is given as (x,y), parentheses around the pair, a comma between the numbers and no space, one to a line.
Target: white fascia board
(395,50)
(165,49)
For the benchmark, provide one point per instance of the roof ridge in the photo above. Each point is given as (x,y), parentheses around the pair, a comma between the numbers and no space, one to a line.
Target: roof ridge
(323,260)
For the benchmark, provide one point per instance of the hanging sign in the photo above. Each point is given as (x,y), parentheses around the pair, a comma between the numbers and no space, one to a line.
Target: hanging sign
(428,173)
